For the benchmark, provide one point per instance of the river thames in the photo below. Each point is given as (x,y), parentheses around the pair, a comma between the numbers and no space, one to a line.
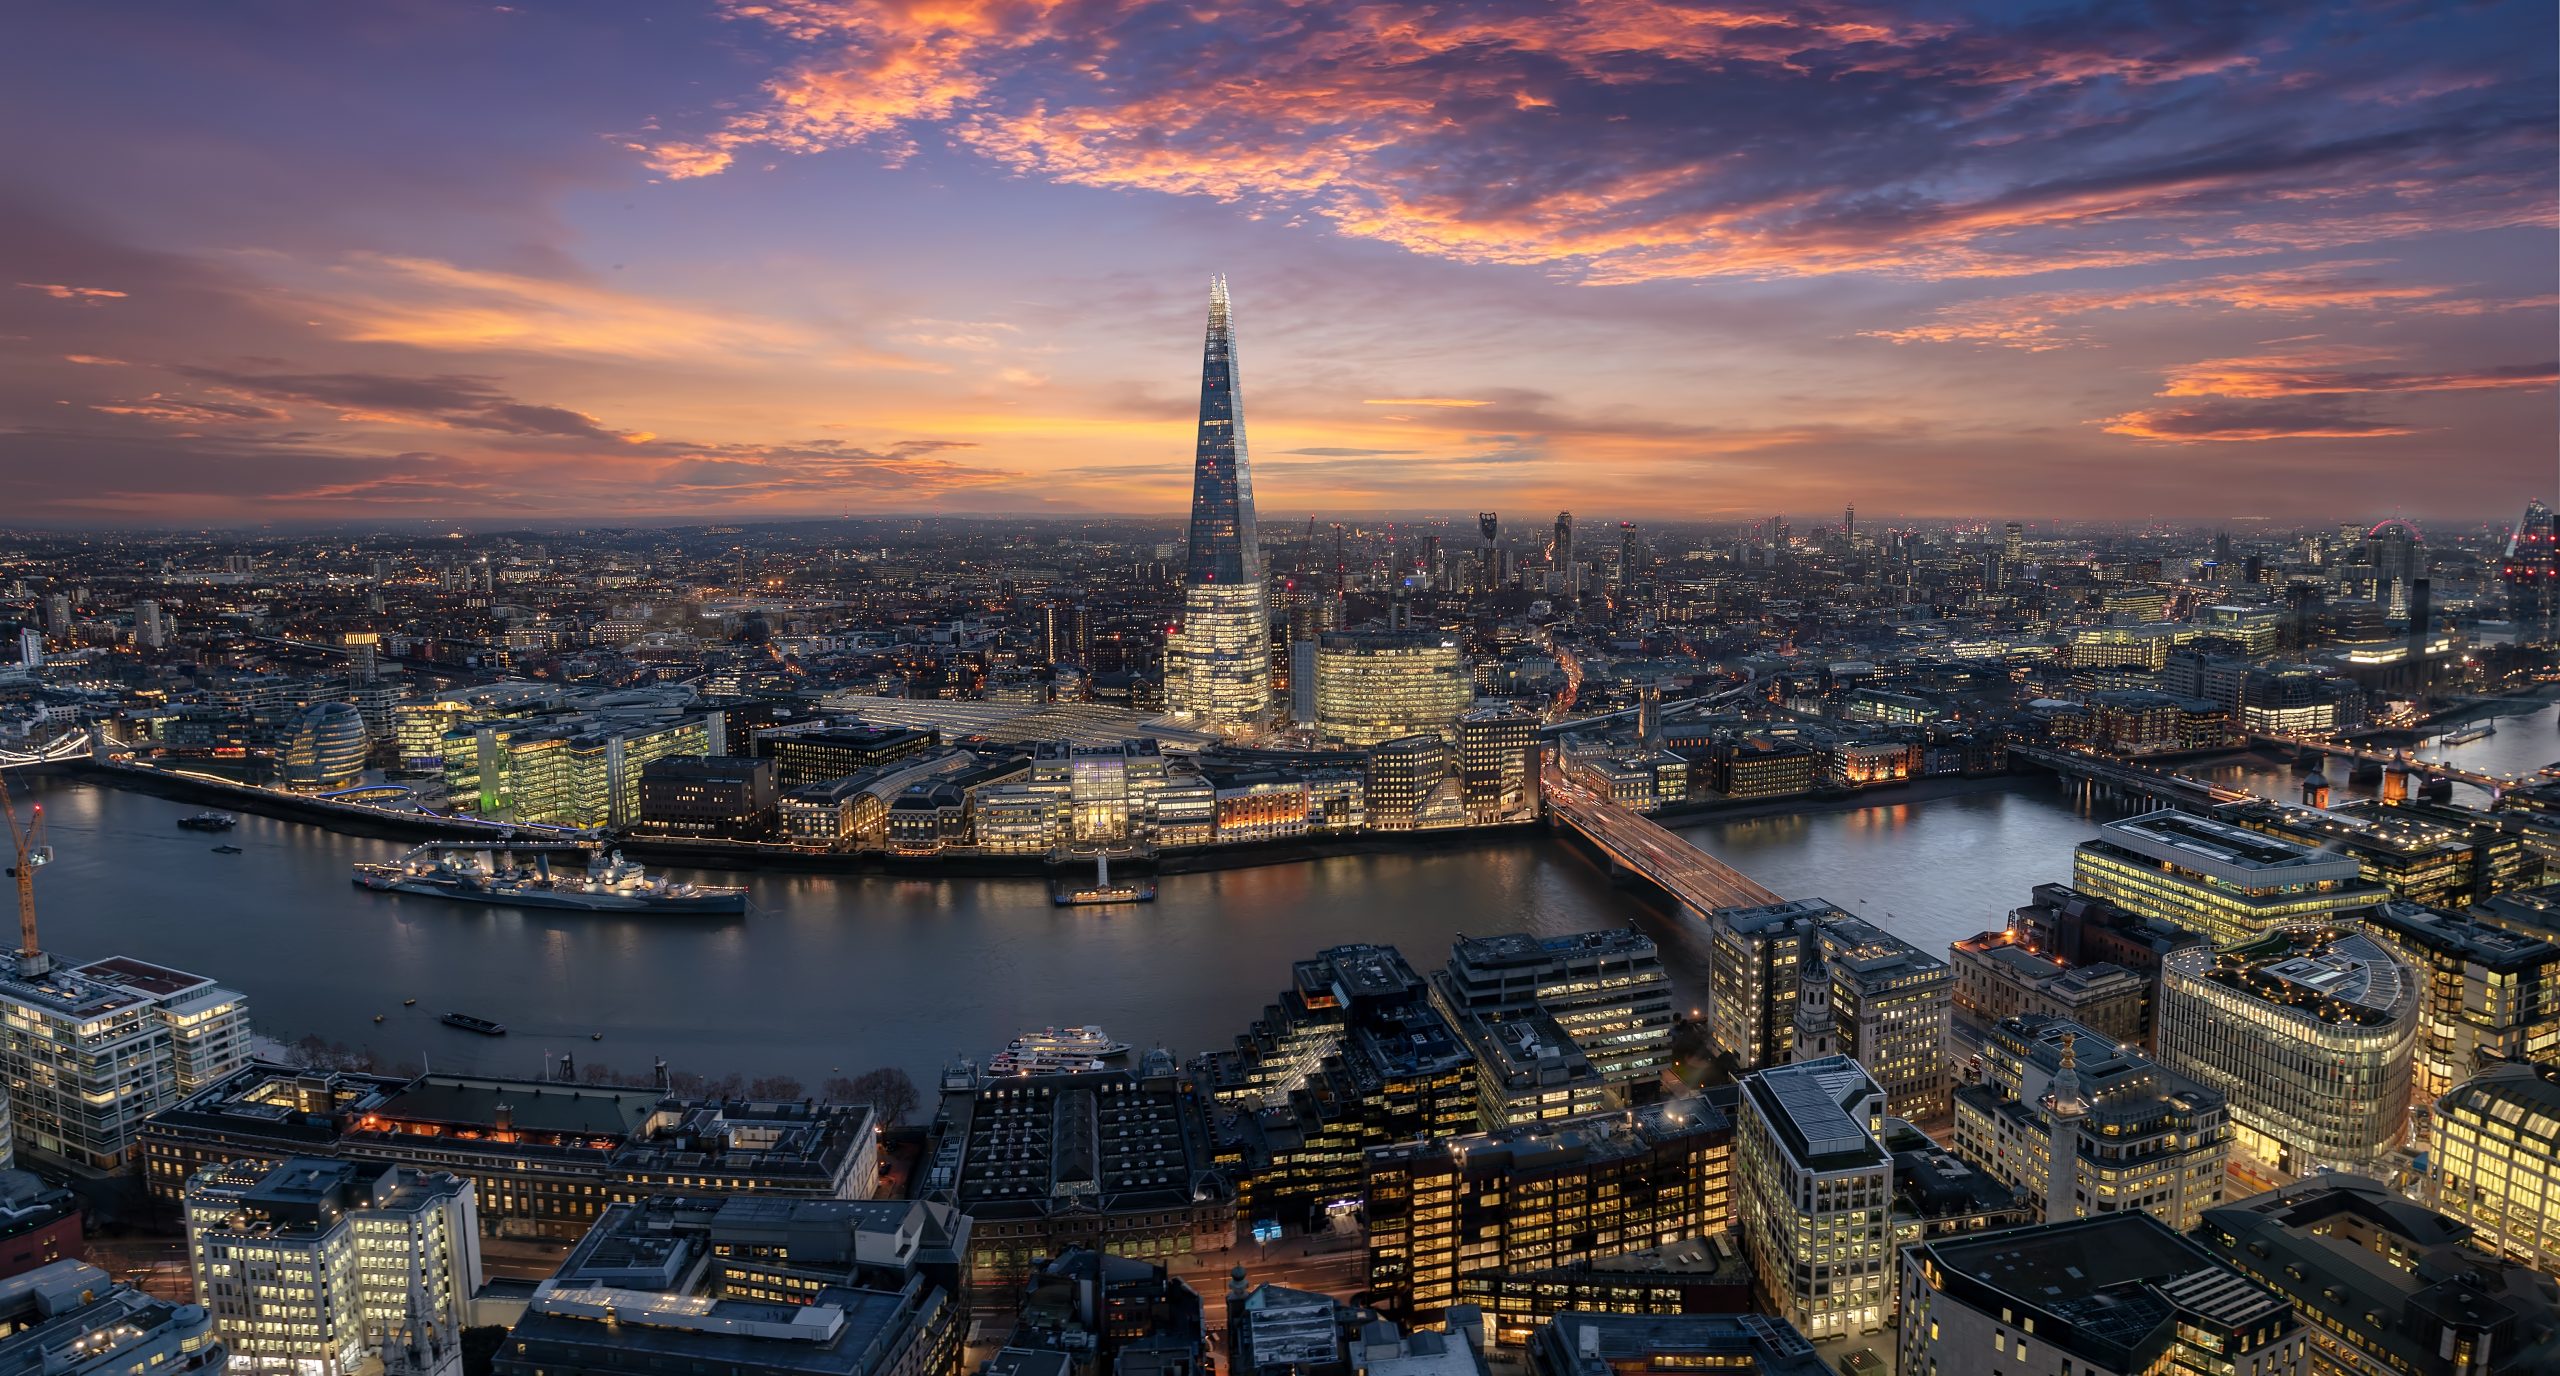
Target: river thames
(833,974)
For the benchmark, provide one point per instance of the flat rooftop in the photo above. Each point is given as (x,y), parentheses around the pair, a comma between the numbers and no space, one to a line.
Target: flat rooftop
(535,1105)
(2175,836)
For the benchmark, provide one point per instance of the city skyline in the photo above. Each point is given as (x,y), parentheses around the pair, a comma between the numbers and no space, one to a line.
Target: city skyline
(803,259)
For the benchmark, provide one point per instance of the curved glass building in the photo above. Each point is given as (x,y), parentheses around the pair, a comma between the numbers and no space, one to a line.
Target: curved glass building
(327,749)
(2308,1032)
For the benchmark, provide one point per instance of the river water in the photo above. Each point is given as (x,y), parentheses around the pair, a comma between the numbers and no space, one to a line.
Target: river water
(834,974)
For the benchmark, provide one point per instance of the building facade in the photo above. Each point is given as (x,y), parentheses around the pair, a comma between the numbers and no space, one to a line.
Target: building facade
(2227,882)
(2485,993)
(2308,1033)
(1373,686)
(88,1054)
(1813,1191)
(2497,1161)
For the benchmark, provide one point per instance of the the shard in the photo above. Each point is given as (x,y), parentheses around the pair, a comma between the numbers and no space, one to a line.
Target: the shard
(1218,662)
(1225,547)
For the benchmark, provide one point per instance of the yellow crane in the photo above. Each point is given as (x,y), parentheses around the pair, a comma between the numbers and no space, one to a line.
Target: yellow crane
(32,854)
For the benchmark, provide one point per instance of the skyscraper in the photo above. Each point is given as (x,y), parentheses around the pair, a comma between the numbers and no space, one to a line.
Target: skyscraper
(1218,664)
(2531,571)
(1567,591)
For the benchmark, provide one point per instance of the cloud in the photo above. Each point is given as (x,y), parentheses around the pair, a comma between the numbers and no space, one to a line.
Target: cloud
(1336,452)
(1424,401)
(2251,420)
(2040,321)
(2328,374)
(1641,140)
(62,293)
(446,401)
(189,410)
(93,360)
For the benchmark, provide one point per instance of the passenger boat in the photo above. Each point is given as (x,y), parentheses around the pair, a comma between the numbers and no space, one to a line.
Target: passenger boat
(470,1023)
(209,821)
(1055,1051)
(2464,735)
(483,873)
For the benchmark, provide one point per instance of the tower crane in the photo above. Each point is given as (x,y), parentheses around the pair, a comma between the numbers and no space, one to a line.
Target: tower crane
(31,854)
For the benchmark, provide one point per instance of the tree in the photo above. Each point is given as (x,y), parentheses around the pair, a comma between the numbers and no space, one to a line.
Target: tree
(889,1091)
(773,1088)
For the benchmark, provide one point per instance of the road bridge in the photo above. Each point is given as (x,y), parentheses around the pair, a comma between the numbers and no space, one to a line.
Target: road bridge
(1643,847)
(2401,758)
(2125,776)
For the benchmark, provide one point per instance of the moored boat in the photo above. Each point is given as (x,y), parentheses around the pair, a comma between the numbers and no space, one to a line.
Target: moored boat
(473,1023)
(484,873)
(1056,1051)
(209,821)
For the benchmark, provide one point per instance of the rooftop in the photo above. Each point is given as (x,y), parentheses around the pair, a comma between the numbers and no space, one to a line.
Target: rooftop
(1809,1104)
(2224,849)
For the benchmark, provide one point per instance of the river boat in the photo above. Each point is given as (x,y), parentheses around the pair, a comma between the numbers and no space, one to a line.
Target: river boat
(209,821)
(471,1023)
(1057,1051)
(226,850)
(482,873)
(2465,735)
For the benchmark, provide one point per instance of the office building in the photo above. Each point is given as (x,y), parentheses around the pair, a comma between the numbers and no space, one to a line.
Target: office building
(1373,686)
(1218,662)
(70,1318)
(1087,1313)
(318,1268)
(1607,990)
(1602,1344)
(1118,1161)
(2421,854)
(1444,1212)
(2497,1161)
(2117,1133)
(1498,764)
(1813,1191)
(327,748)
(807,755)
(40,1223)
(2530,569)
(1890,1006)
(1353,1055)
(2227,882)
(750,1288)
(1997,976)
(1752,981)
(1406,785)
(570,772)
(1751,764)
(2308,1033)
(89,1053)
(729,797)
(546,1156)
(2385,1287)
(2485,993)
(2110,1295)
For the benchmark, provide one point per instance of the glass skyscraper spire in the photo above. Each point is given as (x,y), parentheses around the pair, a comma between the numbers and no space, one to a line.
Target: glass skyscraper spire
(1225,548)
(1218,664)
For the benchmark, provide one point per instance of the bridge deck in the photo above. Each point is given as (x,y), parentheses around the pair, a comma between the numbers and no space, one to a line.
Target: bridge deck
(1641,844)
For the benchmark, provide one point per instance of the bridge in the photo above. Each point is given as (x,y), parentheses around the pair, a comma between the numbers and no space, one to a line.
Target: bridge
(71,745)
(1642,846)
(2137,780)
(2403,759)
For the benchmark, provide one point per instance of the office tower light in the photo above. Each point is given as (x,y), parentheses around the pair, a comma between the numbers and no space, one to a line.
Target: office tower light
(1218,664)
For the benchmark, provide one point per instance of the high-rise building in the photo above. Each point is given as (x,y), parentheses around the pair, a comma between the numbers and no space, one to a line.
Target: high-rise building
(1813,1190)
(1497,763)
(2109,1295)
(2117,1133)
(2225,881)
(57,616)
(2485,993)
(1373,686)
(1218,665)
(89,1053)
(149,631)
(1606,992)
(319,1268)
(2308,1033)
(1568,577)
(2385,1287)
(2497,1161)
(1537,1198)
(2013,551)
(2531,571)
(68,1318)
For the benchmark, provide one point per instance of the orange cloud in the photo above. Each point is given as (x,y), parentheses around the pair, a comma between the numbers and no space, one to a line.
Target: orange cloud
(2225,422)
(1424,401)
(94,360)
(2326,374)
(2038,322)
(60,292)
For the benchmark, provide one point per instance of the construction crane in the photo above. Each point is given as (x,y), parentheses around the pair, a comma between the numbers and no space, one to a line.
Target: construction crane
(32,854)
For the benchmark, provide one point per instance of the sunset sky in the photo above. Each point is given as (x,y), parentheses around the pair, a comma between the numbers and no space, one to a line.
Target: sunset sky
(353,260)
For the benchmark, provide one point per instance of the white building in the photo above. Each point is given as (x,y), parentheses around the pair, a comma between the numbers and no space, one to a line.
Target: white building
(68,1318)
(316,1267)
(1814,1193)
(88,1052)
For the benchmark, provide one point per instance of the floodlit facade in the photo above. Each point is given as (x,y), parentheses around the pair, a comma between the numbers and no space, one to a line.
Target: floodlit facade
(2485,993)
(1373,686)
(69,1318)
(1498,763)
(2497,1155)
(578,773)
(2308,1033)
(2227,882)
(1218,662)
(316,1267)
(327,749)
(1813,1190)
(88,1053)
(2118,1134)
